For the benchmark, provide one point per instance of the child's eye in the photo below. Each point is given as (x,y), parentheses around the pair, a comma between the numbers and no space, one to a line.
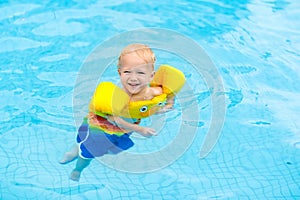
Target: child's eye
(141,72)
(126,72)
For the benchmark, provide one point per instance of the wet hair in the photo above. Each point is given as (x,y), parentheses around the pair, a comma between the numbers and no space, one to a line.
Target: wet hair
(143,51)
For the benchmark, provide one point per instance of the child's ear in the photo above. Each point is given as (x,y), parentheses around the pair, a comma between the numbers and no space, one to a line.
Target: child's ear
(152,75)
(119,71)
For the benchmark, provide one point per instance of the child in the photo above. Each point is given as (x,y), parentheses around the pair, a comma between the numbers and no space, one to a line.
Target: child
(136,71)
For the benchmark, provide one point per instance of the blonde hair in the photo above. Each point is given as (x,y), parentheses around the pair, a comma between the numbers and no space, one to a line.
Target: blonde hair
(143,51)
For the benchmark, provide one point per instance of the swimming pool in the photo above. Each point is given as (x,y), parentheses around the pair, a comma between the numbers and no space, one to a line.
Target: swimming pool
(255,48)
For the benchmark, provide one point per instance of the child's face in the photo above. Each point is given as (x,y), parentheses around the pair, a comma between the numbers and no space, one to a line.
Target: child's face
(135,73)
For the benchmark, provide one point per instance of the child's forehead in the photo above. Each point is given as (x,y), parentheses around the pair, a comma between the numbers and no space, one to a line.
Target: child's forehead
(139,66)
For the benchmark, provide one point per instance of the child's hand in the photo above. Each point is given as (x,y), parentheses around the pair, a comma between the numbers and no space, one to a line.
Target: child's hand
(168,106)
(147,132)
(144,131)
(165,109)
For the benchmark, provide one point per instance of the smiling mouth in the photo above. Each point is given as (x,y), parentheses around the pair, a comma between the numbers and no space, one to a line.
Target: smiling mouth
(133,84)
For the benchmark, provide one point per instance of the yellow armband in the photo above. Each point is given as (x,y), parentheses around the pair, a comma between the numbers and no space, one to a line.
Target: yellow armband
(108,99)
(169,78)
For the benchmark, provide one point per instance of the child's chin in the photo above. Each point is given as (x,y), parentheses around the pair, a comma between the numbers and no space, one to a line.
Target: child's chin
(134,92)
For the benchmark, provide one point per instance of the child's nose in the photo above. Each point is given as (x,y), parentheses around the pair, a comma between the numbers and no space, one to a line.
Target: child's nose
(133,76)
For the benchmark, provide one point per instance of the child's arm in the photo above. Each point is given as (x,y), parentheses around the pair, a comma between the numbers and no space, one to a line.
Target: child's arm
(170,101)
(144,131)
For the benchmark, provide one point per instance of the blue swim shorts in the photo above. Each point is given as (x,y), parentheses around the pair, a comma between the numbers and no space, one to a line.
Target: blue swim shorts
(95,143)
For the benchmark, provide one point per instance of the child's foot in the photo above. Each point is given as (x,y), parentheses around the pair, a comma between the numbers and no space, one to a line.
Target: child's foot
(75,175)
(68,157)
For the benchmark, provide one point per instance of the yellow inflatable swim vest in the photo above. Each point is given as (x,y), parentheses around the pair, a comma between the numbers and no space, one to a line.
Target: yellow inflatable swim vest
(109,99)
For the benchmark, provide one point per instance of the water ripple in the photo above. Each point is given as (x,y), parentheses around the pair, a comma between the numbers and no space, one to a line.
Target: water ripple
(18,43)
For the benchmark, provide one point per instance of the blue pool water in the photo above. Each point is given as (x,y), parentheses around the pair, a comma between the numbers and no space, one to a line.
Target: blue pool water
(255,47)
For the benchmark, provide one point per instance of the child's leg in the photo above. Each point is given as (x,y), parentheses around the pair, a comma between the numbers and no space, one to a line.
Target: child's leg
(80,165)
(70,155)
